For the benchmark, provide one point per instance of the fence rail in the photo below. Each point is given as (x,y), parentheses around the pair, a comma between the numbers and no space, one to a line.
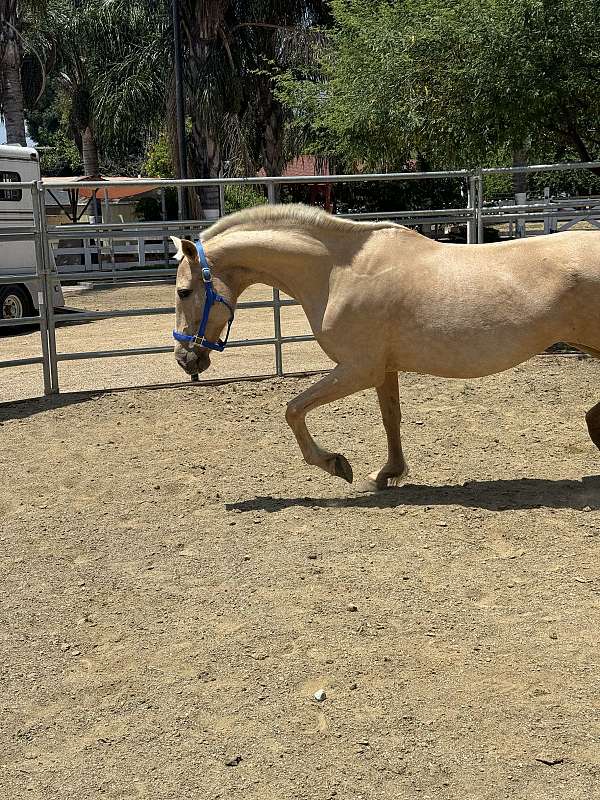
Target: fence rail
(109,244)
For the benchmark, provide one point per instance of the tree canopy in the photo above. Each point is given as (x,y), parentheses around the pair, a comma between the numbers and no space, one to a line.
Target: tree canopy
(456,81)
(375,83)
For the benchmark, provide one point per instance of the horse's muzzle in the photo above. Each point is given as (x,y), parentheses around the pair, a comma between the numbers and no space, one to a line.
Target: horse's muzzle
(191,361)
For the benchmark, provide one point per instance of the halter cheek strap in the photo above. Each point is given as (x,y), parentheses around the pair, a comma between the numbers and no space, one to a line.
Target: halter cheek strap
(212,297)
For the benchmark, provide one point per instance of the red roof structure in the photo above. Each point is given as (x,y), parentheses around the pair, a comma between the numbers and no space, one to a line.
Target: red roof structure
(114,192)
(306,165)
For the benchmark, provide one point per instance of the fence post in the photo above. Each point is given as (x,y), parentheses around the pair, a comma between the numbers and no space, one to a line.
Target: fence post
(46,275)
(521,224)
(276,305)
(479,217)
(41,295)
(87,255)
(163,216)
(111,241)
(472,205)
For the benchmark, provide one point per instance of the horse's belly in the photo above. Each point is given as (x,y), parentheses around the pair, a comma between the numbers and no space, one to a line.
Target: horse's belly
(469,355)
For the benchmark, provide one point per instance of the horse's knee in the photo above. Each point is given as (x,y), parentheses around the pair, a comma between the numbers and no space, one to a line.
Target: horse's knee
(593,423)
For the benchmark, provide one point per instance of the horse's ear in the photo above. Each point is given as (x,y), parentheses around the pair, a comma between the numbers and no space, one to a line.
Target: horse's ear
(185,248)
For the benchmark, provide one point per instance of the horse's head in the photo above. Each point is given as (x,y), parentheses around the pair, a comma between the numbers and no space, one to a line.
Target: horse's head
(204,306)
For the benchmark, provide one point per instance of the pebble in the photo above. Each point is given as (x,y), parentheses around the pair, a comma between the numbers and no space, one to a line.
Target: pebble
(232,761)
(320,695)
(130,405)
(353,686)
(351,607)
(587,508)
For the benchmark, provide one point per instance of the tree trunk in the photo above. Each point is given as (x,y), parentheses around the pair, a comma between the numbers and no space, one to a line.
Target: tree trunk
(573,137)
(12,94)
(271,149)
(205,162)
(270,132)
(201,23)
(519,158)
(91,165)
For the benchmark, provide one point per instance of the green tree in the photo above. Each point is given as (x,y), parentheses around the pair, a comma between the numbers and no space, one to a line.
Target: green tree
(457,81)
(158,162)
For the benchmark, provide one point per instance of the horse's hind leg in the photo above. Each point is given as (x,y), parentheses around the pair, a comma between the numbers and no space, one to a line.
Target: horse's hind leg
(593,415)
(593,422)
(395,469)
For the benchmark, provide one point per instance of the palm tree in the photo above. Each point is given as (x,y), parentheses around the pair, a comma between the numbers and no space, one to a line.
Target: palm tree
(14,18)
(235,49)
(111,72)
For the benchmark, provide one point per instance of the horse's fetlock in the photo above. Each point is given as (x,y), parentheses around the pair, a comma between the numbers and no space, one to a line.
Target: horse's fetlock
(292,413)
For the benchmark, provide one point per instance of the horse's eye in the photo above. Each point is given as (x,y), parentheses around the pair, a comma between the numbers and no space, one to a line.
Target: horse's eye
(183,293)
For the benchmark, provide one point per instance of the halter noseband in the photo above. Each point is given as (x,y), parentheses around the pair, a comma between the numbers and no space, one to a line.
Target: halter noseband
(212,297)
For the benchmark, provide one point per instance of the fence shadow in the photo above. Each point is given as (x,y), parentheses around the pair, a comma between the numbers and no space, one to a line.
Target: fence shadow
(493,495)
(22,409)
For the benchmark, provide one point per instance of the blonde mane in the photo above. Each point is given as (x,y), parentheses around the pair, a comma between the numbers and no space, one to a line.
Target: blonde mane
(286,215)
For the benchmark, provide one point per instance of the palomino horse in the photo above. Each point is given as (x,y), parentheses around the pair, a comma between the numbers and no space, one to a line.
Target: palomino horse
(381,298)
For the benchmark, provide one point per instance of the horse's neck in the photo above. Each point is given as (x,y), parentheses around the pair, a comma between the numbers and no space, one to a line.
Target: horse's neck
(296,261)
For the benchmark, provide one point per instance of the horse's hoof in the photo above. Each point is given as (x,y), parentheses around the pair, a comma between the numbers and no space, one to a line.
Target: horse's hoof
(342,468)
(370,485)
(367,486)
(380,481)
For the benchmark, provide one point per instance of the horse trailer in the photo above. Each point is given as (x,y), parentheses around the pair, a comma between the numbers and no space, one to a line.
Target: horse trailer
(18,257)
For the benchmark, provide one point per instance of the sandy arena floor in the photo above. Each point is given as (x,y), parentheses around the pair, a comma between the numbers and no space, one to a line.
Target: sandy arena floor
(177,584)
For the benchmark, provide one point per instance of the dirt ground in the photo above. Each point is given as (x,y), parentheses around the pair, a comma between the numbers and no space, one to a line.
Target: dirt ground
(177,584)
(19,383)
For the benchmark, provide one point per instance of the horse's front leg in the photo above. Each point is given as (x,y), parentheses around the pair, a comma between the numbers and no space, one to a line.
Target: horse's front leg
(395,469)
(340,382)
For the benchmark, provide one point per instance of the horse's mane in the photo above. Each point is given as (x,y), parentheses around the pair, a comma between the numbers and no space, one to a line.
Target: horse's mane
(282,215)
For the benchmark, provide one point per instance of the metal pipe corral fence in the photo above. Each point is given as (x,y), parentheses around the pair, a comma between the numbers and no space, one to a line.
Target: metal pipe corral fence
(474,216)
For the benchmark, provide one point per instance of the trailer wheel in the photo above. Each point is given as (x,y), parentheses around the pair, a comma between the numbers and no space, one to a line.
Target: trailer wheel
(15,303)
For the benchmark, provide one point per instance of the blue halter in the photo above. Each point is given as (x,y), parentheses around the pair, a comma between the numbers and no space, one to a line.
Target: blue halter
(212,297)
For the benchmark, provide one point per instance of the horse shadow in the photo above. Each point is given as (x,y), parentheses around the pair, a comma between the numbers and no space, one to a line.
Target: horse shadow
(493,495)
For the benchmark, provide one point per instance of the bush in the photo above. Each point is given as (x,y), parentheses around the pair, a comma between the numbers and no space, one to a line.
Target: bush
(239,197)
